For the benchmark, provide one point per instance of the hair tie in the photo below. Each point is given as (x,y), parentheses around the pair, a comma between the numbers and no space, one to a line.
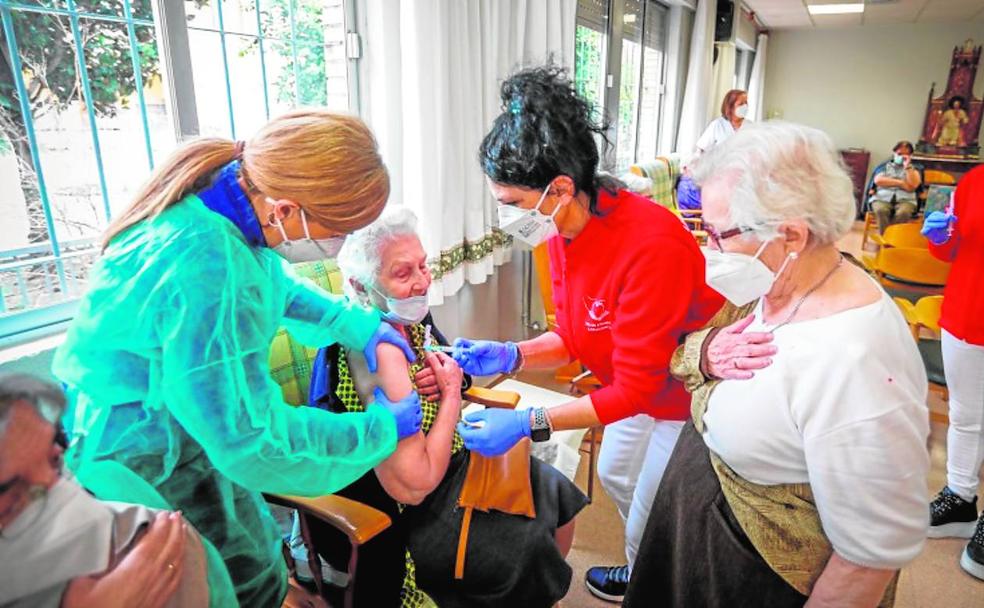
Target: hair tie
(515,107)
(240,146)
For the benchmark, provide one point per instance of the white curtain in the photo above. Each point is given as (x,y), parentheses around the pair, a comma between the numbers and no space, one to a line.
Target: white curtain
(695,115)
(724,76)
(756,82)
(429,90)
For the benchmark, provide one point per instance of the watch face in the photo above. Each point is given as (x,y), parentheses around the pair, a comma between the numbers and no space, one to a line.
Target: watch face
(540,434)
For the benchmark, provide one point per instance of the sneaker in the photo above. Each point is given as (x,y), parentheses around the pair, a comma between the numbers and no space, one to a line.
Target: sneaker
(951,516)
(608,582)
(303,570)
(972,559)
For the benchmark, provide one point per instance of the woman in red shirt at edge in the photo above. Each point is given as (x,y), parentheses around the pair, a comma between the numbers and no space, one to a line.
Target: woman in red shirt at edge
(957,236)
(628,282)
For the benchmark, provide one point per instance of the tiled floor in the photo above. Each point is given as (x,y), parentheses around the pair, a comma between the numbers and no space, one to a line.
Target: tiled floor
(934,579)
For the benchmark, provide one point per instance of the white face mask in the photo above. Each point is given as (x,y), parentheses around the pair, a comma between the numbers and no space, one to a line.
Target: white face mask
(405,311)
(306,249)
(529,226)
(739,277)
(741,111)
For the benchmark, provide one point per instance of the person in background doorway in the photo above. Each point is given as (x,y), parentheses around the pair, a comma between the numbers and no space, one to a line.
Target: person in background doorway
(734,110)
(954,511)
(894,200)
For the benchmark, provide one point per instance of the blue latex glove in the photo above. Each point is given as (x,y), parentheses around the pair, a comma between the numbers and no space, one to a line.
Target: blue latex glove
(500,430)
(407,412)
(936,227)
(485,357)
(386,333)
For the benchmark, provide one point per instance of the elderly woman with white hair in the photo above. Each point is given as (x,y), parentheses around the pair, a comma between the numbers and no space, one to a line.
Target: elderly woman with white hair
(804,482)
(508,559)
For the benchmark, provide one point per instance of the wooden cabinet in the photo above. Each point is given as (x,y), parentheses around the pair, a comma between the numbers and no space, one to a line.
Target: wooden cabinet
(857,160)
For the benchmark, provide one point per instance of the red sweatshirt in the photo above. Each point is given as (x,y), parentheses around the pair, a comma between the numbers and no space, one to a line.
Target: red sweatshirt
(626,290)
(963,298)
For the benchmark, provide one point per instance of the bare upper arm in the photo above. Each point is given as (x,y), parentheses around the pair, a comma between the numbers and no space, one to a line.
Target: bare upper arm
(392,374)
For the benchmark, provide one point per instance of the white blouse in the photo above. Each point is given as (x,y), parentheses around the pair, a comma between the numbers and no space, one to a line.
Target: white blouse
(716,132)
(843,407)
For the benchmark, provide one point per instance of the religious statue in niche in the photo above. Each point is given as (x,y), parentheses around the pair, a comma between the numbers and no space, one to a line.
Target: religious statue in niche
(953,120)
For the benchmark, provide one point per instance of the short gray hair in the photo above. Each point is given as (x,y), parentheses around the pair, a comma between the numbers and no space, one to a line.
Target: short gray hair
(360,258)
(784,171)
(46,398)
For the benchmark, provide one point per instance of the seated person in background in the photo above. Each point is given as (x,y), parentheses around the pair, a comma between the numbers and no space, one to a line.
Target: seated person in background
(59,546)
(801,478)
(894,200)
(511,560)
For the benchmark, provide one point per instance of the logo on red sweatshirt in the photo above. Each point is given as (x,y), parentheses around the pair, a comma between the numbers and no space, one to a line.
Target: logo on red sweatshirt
(598,319)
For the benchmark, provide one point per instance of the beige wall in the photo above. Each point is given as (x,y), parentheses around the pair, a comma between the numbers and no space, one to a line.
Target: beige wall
(866,86)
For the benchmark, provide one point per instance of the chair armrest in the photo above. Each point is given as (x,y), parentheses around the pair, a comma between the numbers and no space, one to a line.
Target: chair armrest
(492,398)
(359,522)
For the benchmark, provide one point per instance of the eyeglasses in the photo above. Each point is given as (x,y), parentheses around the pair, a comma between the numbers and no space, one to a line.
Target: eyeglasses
(716,237)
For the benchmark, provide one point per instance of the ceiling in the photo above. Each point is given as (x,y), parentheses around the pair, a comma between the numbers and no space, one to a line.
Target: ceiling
(784,14)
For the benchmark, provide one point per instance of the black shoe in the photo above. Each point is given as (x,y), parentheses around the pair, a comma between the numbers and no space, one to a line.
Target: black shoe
(972,559)
(608,582)
(951,516)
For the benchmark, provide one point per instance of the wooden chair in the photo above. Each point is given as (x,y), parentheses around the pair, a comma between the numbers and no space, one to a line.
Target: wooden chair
(924,316)
(291,365)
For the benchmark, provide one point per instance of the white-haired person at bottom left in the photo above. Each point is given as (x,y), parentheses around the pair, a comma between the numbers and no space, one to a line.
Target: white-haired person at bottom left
(59,546)
(510,550)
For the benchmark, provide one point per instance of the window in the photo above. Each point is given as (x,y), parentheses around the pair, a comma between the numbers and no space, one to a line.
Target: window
(92,93)
(743,67)
(619,66)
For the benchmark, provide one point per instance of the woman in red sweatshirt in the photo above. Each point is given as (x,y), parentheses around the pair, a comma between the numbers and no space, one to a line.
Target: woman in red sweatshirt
(628,283)
(958,236)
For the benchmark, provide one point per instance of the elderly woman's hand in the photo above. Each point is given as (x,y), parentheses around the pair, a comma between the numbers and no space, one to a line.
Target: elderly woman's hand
(447,373)
(426,381)
(732,354)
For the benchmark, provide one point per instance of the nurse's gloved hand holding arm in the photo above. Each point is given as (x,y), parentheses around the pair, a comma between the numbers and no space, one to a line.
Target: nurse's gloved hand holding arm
(406,411)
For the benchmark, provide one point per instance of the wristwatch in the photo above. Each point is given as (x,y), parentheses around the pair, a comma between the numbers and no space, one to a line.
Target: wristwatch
(539,424)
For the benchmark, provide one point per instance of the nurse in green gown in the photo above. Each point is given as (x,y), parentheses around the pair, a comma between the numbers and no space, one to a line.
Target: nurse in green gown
(166,360)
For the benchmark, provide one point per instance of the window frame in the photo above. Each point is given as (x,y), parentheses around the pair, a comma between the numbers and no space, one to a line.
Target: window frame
(171,27)
(613,76)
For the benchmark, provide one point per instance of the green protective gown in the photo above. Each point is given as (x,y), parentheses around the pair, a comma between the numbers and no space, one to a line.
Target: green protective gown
(173,406)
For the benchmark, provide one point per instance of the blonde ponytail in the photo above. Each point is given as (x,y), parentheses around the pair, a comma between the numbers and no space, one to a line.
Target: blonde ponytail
(327,163)
(172,181)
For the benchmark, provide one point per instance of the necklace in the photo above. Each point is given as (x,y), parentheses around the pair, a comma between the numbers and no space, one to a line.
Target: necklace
(818,285)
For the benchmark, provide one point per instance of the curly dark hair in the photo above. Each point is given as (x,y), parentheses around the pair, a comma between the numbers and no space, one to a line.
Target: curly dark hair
(955,99)
(545,130)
